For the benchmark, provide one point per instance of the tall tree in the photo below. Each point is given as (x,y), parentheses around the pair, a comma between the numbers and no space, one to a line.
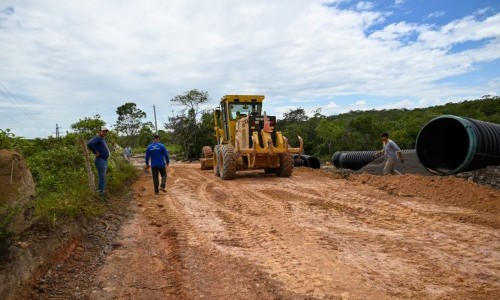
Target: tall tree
(129,119)
(297,115)
(88,126)
(186,127)
(191,100)
(330,132)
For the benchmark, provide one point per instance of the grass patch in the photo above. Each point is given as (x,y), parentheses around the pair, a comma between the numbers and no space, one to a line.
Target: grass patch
(120,176)
(62,199)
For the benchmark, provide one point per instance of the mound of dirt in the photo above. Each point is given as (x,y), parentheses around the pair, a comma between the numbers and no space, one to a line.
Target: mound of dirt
(17,189)
(487,176)
(450,191)
(411,165)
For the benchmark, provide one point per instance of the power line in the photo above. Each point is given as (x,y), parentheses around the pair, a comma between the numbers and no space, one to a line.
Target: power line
(16,102)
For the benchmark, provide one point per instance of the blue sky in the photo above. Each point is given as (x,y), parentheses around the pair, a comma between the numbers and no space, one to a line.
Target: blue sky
(66,60)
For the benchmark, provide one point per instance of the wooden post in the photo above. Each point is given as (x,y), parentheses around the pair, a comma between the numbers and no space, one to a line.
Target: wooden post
(90,175)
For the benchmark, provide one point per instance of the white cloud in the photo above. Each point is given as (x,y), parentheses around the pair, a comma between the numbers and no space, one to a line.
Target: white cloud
(459,31)
(399,2)
(364,5)
(332,108)
(405,103)
(483,11)
(69,60)
(395,31)
(435,14)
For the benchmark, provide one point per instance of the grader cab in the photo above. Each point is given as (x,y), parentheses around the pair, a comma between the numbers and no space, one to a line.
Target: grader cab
(247,139)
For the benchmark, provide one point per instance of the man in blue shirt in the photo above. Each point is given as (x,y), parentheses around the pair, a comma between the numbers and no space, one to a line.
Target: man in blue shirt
(392,153)
(159,160)
(101,151)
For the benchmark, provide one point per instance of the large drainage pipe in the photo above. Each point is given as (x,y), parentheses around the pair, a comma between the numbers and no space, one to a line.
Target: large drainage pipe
(451,144)
(306,161)
(355,160)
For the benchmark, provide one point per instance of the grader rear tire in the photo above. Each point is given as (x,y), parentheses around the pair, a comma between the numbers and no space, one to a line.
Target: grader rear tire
(286,166)
(216,157)
(207,152)
(228,164)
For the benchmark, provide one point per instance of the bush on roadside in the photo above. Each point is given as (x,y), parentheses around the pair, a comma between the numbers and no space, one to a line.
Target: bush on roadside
(60,176)
(121,175)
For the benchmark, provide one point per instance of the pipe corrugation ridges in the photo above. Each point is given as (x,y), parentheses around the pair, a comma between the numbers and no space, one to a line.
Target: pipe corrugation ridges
(451,144)
(355,160)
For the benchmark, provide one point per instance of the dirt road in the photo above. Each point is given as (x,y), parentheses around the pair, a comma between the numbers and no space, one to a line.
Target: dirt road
(305,237)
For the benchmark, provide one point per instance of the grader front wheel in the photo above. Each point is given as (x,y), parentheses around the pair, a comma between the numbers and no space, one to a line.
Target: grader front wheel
(217,157)
(286,166)
(228,164)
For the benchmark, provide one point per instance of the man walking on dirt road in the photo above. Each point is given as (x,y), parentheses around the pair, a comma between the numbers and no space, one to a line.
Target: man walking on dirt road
(392,153)
(159,160)
(101,151)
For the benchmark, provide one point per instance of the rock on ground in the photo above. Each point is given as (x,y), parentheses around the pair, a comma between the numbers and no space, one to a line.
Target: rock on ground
(487,176)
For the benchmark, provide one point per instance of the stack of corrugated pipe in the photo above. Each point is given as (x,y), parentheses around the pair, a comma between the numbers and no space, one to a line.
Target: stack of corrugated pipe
(446,145)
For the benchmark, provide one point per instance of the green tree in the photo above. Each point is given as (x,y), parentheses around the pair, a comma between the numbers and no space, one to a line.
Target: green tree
(129,120)
(367,131)
(88,126)
(297,115)
(331,133)
(187,129)
(191,101)
(6,139)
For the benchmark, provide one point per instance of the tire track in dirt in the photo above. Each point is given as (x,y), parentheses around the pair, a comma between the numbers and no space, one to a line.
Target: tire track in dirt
(207,272)
(375,233)
(398,236)
(291,255)
(309,236)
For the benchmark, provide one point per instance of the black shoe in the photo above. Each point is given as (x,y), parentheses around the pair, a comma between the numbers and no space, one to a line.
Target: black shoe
(163,190)
(157,193)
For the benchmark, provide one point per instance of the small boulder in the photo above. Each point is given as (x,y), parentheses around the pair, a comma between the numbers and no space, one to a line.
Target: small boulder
(17,190)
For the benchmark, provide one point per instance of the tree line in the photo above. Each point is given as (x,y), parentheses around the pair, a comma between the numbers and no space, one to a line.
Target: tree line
(323,135)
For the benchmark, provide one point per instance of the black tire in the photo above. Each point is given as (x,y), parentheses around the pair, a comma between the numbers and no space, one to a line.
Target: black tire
(216,158)
(228,164)
(286,166)
(207,152)
(269,170)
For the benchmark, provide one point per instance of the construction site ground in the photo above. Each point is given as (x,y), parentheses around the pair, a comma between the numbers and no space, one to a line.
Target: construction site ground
(315,235)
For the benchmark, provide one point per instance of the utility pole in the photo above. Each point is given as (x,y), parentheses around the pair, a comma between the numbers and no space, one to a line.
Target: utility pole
(57,130)
(156,124)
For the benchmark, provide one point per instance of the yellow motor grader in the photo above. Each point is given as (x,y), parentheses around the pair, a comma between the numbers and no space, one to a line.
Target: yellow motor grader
(247,139)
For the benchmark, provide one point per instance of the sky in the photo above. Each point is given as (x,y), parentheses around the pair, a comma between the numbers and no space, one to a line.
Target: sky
(62,61)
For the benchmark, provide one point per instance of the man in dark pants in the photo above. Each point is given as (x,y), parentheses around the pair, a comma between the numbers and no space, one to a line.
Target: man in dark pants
(159,160)
(101,151)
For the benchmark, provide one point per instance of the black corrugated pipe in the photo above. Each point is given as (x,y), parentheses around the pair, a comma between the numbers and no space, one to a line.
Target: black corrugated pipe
(306,161)
(451,144)
(355,160)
